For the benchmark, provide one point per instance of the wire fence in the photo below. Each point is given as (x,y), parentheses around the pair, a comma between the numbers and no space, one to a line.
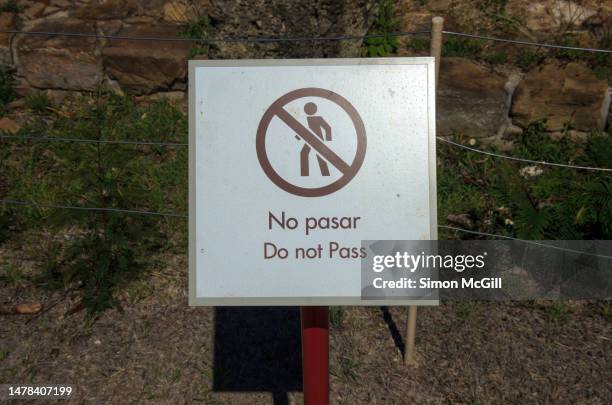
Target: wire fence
(530,242)
(298,39)
(332,38)
(527,43)
(93,141)
(95,209)
(537,162)
(277,40)
(179,144)
(185,216)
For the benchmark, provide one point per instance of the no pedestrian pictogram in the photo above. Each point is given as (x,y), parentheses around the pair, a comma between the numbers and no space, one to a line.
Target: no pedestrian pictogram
(314,137)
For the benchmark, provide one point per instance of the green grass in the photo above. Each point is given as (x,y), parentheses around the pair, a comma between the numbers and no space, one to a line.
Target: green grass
(558,312)
(102,253)
(605,310)
(11,275)
(466,309)
(38,102)
(137,291)
(346,369)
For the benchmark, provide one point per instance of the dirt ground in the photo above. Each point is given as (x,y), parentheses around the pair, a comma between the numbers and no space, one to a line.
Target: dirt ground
(159,350)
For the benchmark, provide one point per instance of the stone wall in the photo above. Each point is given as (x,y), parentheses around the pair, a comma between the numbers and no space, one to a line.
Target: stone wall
(145,67)
(495,106)
(493,102)
(480,100)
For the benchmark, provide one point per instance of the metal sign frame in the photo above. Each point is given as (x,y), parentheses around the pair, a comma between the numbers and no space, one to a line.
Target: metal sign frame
(305,301)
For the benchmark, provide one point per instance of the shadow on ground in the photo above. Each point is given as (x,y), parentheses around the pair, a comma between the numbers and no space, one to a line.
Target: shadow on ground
(258,349)
(393,330)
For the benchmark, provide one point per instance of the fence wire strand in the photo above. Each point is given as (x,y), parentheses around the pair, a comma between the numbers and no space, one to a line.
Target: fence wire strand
(179,144)
(280,40)
(527,43)
(538,162)
(216,40)
(530,242)
(185,216)
(298,39)
(94,141)
(95,209)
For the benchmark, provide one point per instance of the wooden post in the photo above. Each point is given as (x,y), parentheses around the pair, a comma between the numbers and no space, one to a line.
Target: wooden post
(410,335)
(436,42)
(435,50)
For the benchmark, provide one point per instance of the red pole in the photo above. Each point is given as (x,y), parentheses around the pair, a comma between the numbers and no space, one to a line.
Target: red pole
(315,355)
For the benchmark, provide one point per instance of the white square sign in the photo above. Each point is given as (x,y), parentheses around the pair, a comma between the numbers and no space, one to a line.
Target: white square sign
(292,163)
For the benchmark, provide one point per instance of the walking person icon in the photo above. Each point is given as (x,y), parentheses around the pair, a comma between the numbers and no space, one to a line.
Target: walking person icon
(318,125)
(345,153)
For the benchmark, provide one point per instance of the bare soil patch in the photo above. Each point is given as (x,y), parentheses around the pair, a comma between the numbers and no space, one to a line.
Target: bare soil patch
(159,350)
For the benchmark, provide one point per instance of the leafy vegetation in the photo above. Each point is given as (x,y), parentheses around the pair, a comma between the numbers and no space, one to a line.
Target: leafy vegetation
(557,312)
(527,58)
(496,58)
(99,250)
(7,87)
(492,17)
(383,42)
(419,44)
(568,55)
(346,369)
(542,203)
(38,102)
(605,310)
(11,6)
(494,11)
(462,47)
(466,309)
(602,62)
(336,316)
(198,29)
